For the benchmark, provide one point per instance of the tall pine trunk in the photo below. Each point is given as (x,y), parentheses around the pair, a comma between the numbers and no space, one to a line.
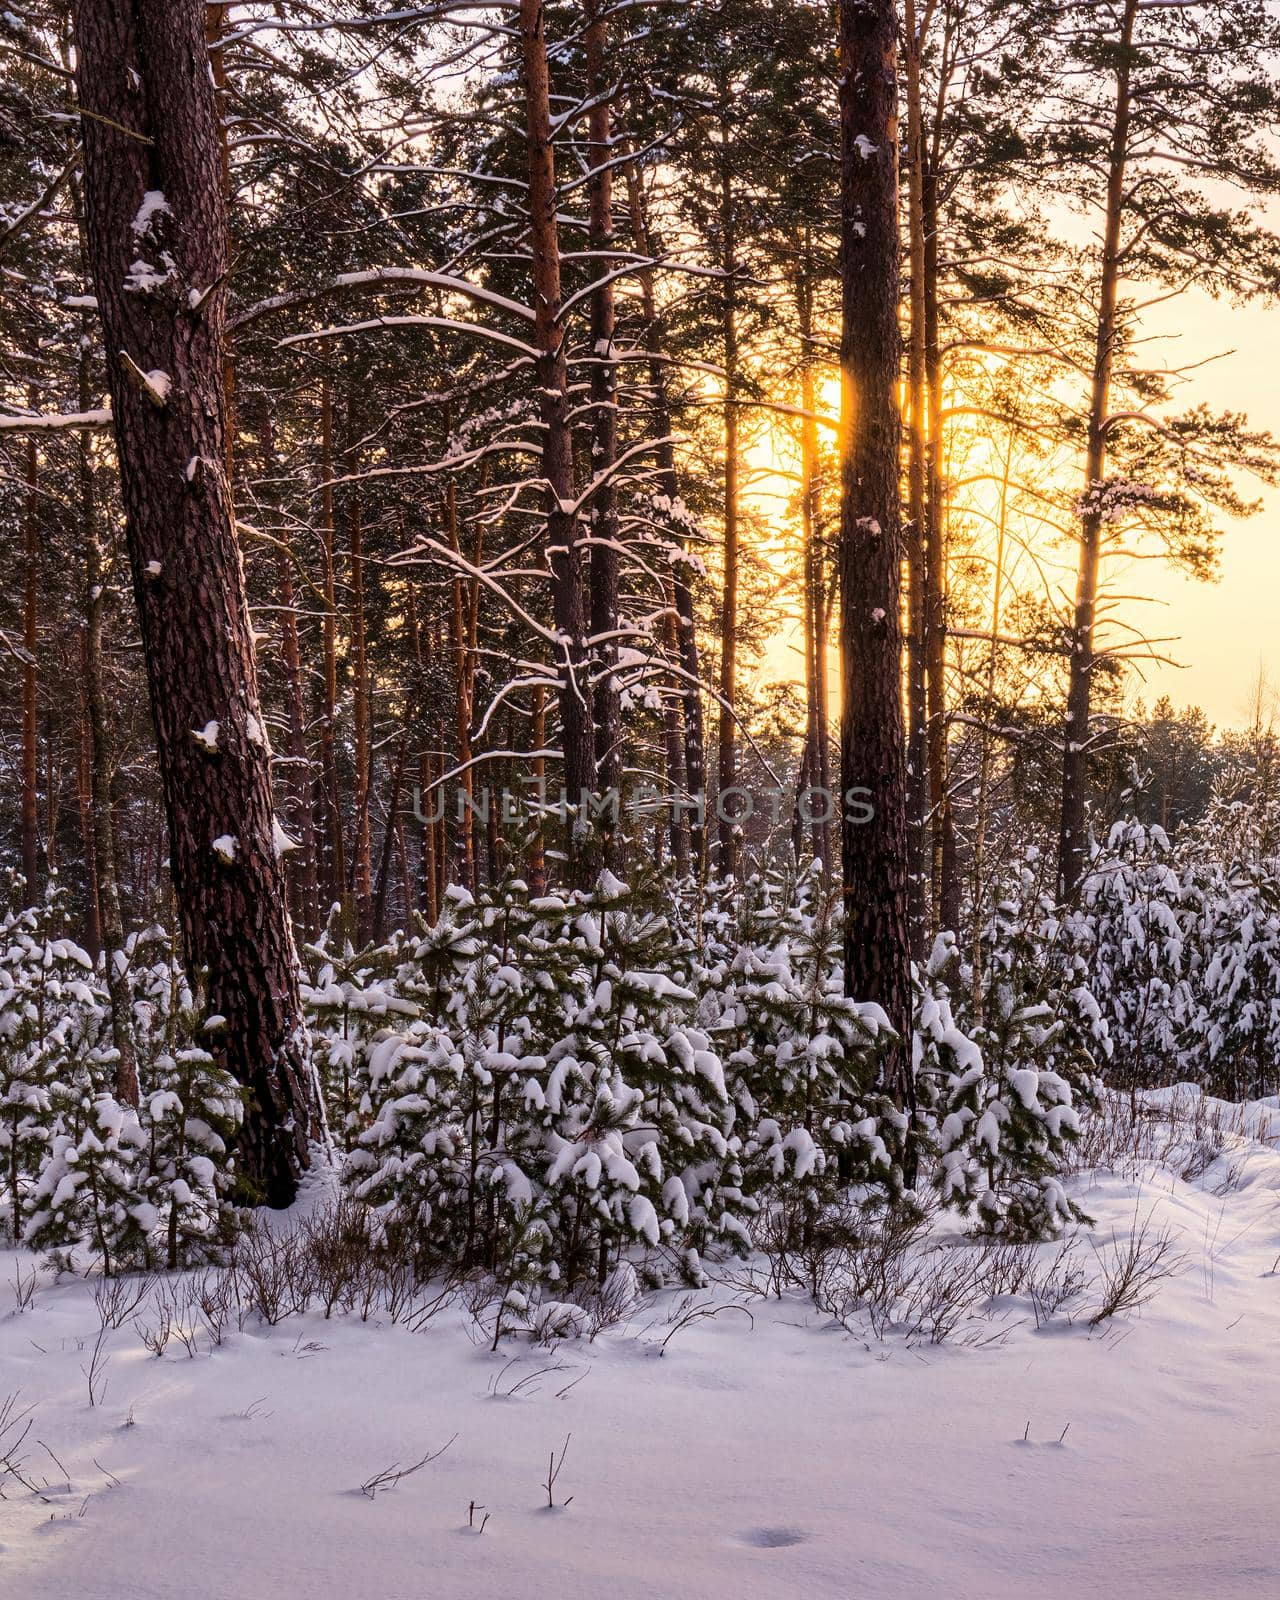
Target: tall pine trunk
(877,941)
(922,818)
(302,873)
(153,193)
(817,759)
(361,844)
(686,767)
(564,541)
(30,676)
(605,563)
(728,829)
(1073,839)
(946,866)
(102,758)
(336,878)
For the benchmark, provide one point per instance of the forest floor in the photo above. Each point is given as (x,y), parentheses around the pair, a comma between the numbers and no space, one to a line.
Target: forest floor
(775,1453)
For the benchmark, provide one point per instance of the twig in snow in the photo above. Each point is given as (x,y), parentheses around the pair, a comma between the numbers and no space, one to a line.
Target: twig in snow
(553,1472)
(392,1475)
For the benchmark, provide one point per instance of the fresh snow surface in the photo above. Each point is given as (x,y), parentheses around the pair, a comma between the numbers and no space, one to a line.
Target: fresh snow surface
(774,1455)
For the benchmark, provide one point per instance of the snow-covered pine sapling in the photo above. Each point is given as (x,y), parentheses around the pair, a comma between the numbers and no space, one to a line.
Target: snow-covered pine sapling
(1008,1077)
(637,1121)
(351,1001)
(192,1109)
(802,1064)
(1136,912)
(53,1038)
(410,1163)
(89,1192)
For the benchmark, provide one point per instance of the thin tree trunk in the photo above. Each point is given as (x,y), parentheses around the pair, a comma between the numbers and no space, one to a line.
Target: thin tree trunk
(563,541)
(378,918)
(605,563)
(361,851)
(921,817)
(337,874)
(685,765)
(153,191)
(84,793)
(458,639)
(30,676)
(981,809)
(935,621)
(101,752)
(537,853)
(1073,839)
(877,945)
(727,829)
(300,787)
(818,774)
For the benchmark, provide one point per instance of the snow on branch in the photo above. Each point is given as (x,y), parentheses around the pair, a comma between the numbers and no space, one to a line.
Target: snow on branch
(385,277)
(53,423)
(373,324)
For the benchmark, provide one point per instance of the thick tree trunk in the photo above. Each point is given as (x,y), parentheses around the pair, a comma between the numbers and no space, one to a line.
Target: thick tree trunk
(605,563)
(877,928)
(1073,838)
(563,541)
(153,194)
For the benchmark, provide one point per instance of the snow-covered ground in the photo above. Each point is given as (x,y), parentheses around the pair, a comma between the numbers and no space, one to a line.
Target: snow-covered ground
(770,1454)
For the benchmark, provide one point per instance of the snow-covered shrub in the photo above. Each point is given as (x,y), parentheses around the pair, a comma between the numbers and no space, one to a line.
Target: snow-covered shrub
(53,1042)
(1137,909)
(349,1000)
(580,1079)
(1007,1056)
(191,1110)
(89,1192)
(800,1053)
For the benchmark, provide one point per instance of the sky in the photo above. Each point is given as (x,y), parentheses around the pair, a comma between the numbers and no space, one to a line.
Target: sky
(1227,629)
(1224,633)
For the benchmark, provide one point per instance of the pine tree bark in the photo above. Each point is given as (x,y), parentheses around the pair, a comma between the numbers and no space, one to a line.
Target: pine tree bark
(302,871)
(362,846)
(946,865)
(605,564)
(459,638)
(102,759)
(877,941)
(1073,837)
(686,769)
(153,193)
(31,677)
(337,875)
(564,541)
(922,817)
(727,826)
(817,753)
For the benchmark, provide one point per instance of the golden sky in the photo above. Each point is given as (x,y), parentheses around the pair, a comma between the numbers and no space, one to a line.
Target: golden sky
(1225,632)
(1227,629)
